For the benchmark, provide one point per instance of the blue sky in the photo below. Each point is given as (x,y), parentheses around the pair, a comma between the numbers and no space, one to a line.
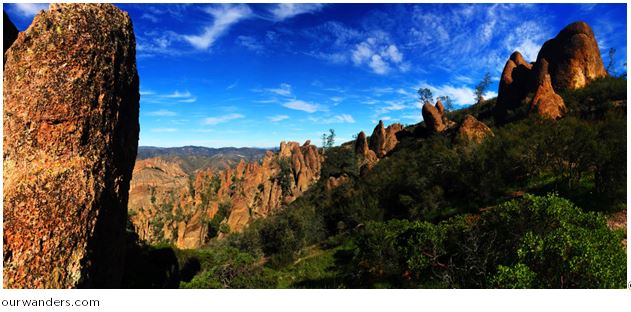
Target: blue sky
(254,75)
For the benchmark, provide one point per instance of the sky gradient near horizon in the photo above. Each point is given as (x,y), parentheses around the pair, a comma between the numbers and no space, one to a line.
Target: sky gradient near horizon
(252,75)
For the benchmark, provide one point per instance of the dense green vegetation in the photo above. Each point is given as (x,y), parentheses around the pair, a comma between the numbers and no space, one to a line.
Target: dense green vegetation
(523,209)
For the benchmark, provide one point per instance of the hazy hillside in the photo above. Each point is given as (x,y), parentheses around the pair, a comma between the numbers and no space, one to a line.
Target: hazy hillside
(193,158)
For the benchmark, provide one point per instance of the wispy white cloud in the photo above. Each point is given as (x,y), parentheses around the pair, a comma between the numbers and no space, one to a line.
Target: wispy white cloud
(302,106)
(232,85)
(460,95)
(162,113)
(267,101)
(224,16)
(342,118)
(284,11)
(345,118)
(284,90)
(150,17)
(527,38)
(29,9)
(380,57)
(191,99)
(146,92)
(413,117)
(152,43)
(391,106)
(278,118)
(163,129)
(221,119)
(463,79)
(176,96)
(250,43)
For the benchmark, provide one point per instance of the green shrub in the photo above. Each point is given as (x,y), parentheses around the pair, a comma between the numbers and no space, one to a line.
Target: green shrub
(518,276)
(535,242)
(339,161)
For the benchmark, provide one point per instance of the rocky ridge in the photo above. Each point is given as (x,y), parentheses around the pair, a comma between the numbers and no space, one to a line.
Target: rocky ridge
(382,141)
(168,205)
(71,104)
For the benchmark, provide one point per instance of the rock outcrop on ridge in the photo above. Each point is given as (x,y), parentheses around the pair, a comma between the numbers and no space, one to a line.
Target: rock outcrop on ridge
(569,61)
(573,57)
(71,130)
(473,130)
(434,117)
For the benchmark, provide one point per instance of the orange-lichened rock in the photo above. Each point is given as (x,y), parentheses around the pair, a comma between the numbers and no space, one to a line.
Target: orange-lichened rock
(473,130)
(383,140)
(71,130)
(545,102)
(433,118)
(361,144)
(378,139)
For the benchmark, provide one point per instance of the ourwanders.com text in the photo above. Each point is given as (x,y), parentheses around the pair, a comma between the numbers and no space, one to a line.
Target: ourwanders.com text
(51,302)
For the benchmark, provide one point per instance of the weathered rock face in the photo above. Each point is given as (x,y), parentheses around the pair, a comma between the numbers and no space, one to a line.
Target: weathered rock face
(378,139)
(433,118)
(383,140)
(361,144)
(440,107)
(573,57)
(334,182)
(516,83)
(545,102)
(182,208)
(9,35)
(473,130)
(155,183)
(70,141)
(391,137)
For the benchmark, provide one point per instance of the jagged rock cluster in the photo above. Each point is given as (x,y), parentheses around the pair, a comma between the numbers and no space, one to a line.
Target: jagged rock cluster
(382,141)
(166,205)
(434,116)
(70,139)
(568,61)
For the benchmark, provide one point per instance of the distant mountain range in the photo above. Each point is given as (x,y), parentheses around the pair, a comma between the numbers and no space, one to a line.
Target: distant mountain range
(192,158)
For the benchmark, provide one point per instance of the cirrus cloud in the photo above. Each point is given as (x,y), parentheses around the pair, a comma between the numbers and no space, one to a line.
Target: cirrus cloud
(221,119)
(302,106)
(224,16)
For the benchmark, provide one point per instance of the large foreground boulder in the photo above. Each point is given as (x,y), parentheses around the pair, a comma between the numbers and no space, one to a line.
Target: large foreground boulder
(70,141)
